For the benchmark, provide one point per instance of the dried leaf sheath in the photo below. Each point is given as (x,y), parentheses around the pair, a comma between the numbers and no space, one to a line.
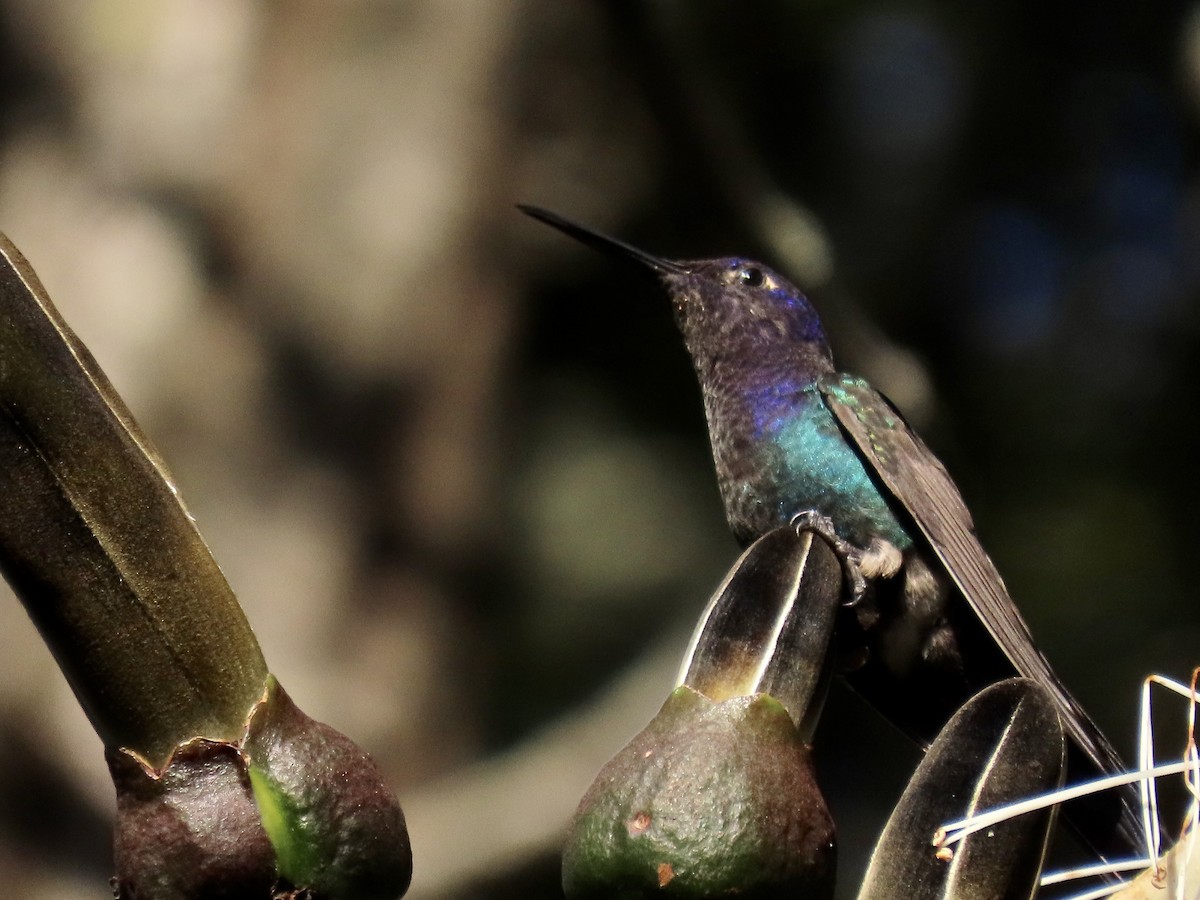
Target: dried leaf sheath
(99,548)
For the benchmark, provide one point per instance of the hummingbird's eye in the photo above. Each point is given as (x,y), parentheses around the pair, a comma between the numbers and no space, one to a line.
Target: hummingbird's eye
(751,276)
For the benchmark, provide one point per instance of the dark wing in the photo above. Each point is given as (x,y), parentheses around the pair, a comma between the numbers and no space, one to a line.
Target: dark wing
(919,481)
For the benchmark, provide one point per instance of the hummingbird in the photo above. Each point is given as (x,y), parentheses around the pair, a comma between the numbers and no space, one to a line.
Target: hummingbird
(928,621)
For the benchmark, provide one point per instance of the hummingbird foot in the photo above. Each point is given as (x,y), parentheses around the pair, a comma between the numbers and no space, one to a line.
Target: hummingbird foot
(811,520)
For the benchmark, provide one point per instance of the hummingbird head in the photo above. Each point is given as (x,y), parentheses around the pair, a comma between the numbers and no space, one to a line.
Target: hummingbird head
(729,309)
(730,306)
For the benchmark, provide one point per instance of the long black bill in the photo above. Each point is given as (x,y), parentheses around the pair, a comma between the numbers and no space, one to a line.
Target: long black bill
(603,242)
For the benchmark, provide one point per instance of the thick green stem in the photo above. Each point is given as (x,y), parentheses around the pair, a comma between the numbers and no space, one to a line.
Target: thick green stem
(1003,745)
(710,800)
(97,545)
(224,788)
(717,796)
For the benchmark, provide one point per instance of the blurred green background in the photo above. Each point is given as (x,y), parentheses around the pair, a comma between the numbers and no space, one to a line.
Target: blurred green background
(455,466)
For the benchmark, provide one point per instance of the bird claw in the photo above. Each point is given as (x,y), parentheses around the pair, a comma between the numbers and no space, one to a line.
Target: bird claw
(813,521)
(858,584)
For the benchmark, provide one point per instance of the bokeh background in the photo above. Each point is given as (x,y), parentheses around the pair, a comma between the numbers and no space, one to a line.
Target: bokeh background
(455,466)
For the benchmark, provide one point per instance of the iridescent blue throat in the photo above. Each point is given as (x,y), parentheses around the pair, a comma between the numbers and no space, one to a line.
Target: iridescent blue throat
(813,466)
